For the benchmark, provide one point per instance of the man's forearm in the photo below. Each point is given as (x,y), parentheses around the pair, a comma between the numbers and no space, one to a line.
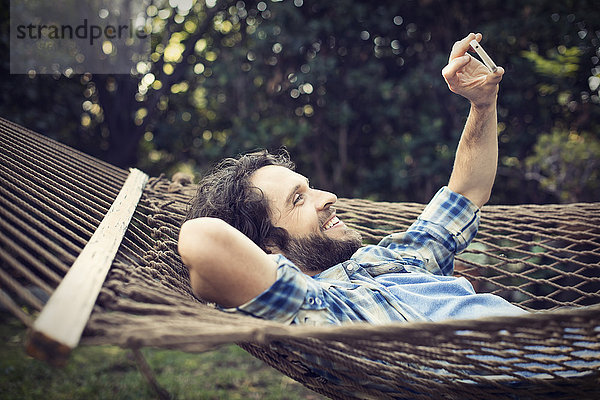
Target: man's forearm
(477,155)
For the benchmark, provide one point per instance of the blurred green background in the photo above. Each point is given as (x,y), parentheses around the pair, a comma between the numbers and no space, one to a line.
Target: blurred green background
(352,88)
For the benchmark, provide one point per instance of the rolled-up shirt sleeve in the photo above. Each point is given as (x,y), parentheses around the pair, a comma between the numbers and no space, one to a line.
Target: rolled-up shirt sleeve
(446,227)
(283,300)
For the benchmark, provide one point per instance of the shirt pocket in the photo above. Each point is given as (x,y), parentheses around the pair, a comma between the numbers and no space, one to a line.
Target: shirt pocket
(385,267)
(314,310)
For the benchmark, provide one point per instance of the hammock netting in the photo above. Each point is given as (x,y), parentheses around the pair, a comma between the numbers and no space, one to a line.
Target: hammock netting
(543,258)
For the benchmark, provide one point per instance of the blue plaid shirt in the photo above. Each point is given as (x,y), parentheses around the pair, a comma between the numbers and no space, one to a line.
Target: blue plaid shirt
(406,277)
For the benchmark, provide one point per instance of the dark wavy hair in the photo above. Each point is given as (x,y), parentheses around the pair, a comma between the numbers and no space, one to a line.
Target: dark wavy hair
(226,193)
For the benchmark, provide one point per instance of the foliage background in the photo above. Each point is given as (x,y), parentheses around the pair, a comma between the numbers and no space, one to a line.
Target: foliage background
(352,88)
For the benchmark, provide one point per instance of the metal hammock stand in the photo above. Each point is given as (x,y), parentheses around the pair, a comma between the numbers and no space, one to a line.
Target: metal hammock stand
(55,200)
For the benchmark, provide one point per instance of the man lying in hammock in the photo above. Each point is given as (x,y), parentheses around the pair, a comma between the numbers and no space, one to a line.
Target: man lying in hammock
(261,241)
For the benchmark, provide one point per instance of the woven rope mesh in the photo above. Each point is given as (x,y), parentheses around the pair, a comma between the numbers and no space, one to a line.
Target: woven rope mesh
(544,258)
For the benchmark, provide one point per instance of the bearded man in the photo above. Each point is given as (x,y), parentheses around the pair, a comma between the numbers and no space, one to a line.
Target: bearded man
(260,240)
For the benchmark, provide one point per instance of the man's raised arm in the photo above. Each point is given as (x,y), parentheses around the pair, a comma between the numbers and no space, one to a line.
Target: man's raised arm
(225,266)
(477,153)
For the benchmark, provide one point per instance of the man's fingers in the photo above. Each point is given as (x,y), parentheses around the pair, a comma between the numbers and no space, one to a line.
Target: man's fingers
(496,77)
(461,47)
(450,70)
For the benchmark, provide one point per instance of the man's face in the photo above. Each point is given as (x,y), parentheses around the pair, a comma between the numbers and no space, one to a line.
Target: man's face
(318,239)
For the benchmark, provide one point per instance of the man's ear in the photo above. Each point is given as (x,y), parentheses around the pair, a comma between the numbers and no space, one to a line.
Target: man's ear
(271,248)
(275,241)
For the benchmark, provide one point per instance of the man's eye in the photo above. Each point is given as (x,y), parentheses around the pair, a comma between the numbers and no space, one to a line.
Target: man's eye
(298,198)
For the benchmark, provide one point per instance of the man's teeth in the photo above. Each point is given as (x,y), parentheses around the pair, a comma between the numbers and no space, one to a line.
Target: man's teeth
(331,223)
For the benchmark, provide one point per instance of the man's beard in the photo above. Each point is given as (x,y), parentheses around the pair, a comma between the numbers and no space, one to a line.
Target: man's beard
(316,253)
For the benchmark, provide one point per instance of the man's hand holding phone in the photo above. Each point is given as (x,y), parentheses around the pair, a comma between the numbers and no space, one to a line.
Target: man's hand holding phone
(469,77)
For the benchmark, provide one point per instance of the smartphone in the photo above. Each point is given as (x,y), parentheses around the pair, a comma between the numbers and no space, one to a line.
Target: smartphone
(484,56)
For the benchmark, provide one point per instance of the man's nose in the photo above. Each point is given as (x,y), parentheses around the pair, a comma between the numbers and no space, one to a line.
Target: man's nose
(325,199)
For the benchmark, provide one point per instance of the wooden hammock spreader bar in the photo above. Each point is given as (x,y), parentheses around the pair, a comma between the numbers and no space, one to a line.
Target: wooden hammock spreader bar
(58,328)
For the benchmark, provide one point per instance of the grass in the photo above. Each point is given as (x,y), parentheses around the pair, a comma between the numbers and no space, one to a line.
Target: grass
(109,372)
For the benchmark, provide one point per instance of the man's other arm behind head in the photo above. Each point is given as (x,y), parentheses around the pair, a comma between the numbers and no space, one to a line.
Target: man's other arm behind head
(225,266)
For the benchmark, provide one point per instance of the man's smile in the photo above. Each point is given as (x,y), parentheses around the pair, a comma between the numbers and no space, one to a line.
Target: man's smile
(331,222)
